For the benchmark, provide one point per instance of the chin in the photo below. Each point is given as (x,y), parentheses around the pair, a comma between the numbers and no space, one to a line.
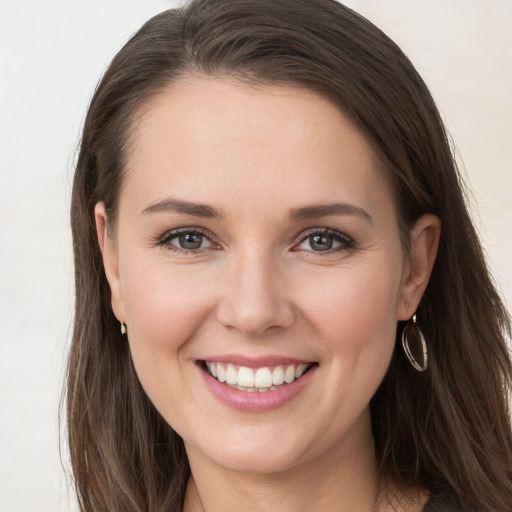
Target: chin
(252,452)
(256,461)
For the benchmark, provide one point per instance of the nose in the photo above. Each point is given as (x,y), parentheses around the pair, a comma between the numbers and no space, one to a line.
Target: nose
(255,298)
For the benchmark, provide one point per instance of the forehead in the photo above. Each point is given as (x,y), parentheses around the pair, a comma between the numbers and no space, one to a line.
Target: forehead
(205,138)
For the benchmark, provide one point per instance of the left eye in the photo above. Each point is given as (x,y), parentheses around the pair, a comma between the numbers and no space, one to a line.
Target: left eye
(322,241)
(187,240)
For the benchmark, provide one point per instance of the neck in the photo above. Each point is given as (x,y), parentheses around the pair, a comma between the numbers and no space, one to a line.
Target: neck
(344,479)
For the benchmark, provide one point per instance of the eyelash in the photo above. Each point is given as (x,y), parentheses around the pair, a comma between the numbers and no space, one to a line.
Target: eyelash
(346,243)
(166,239)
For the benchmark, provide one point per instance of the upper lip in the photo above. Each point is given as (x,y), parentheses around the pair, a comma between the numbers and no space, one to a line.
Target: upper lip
(256,361)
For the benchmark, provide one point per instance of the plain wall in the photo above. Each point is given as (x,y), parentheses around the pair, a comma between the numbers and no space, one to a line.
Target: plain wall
(52,54)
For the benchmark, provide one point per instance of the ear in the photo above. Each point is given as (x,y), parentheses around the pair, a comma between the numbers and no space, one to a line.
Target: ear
(110,261)
(423,245)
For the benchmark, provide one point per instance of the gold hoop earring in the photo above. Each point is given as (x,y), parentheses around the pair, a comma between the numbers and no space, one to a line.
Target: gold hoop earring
(123,328)
(412,332)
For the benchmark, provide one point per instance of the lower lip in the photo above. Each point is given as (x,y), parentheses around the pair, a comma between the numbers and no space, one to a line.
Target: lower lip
(256,401)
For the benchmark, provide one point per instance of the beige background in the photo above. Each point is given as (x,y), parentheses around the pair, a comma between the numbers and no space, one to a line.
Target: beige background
(463,49)
(51,56)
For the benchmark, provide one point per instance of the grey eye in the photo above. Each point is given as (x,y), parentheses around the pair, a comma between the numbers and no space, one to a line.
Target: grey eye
(325,241)
(190,241)
(187,241)
(321,242)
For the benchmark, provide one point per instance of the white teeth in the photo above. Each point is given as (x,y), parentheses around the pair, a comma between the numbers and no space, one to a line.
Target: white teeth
(289,374)
(231,375)
(299,372)
(221,374)
(241,388)
(245,377)
(278,376)
(263,379)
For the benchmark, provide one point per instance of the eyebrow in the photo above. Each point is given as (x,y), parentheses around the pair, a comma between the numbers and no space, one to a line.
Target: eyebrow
(180,206)
(325,210)
(306,212)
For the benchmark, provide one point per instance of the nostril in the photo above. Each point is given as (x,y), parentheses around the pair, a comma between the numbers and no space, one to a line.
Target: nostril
(255,319)
(253,298)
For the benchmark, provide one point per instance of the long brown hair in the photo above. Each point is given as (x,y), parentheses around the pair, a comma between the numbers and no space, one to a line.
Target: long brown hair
(448,428)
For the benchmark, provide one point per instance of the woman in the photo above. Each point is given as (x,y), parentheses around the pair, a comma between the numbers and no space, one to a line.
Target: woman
(282,303)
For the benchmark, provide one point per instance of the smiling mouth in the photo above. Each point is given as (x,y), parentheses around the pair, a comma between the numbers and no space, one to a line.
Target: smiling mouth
(266,378)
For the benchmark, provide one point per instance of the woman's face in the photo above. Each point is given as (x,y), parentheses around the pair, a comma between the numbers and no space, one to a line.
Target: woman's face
(256,241)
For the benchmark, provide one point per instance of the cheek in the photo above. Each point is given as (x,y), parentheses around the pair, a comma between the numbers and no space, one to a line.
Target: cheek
(165,307)
(164,304)
(354,317)
(356,310)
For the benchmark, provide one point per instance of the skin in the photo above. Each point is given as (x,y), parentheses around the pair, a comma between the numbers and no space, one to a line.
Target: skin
(258,287)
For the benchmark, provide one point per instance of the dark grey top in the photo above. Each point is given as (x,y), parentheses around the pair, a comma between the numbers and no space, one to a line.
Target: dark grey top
(441,501)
